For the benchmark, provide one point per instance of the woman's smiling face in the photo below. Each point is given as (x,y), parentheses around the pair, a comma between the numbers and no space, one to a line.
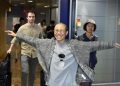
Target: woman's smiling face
(60,32)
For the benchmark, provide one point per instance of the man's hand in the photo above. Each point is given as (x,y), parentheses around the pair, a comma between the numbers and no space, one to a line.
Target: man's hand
(9,50)
(11,33)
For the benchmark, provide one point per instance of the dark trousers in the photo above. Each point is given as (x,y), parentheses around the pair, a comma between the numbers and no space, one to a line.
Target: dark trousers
(42,78)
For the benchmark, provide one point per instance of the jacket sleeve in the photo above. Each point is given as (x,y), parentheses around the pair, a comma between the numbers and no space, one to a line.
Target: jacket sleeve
(13,41)
(30,40)
(97,45)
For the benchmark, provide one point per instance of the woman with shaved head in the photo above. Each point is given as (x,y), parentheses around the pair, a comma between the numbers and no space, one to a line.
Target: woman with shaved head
(65,62)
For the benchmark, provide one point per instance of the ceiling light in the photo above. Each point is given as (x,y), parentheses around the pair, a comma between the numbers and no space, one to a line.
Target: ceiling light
(46,6)
(30,1)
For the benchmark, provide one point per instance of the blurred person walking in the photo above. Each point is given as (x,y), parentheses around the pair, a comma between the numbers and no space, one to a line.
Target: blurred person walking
(28,53)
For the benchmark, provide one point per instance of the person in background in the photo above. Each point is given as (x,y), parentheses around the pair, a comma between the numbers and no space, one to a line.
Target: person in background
(90,27)
(43,26)
(29,59)
(17,26)
(65,62)
(17,45)
(50,29)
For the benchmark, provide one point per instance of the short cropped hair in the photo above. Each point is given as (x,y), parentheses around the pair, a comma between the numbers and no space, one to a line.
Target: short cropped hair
(30,11)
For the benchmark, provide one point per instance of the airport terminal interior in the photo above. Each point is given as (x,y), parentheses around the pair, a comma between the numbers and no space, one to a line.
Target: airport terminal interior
(106,14)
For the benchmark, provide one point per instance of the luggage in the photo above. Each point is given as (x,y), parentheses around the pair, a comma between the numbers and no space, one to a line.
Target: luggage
(5,73)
